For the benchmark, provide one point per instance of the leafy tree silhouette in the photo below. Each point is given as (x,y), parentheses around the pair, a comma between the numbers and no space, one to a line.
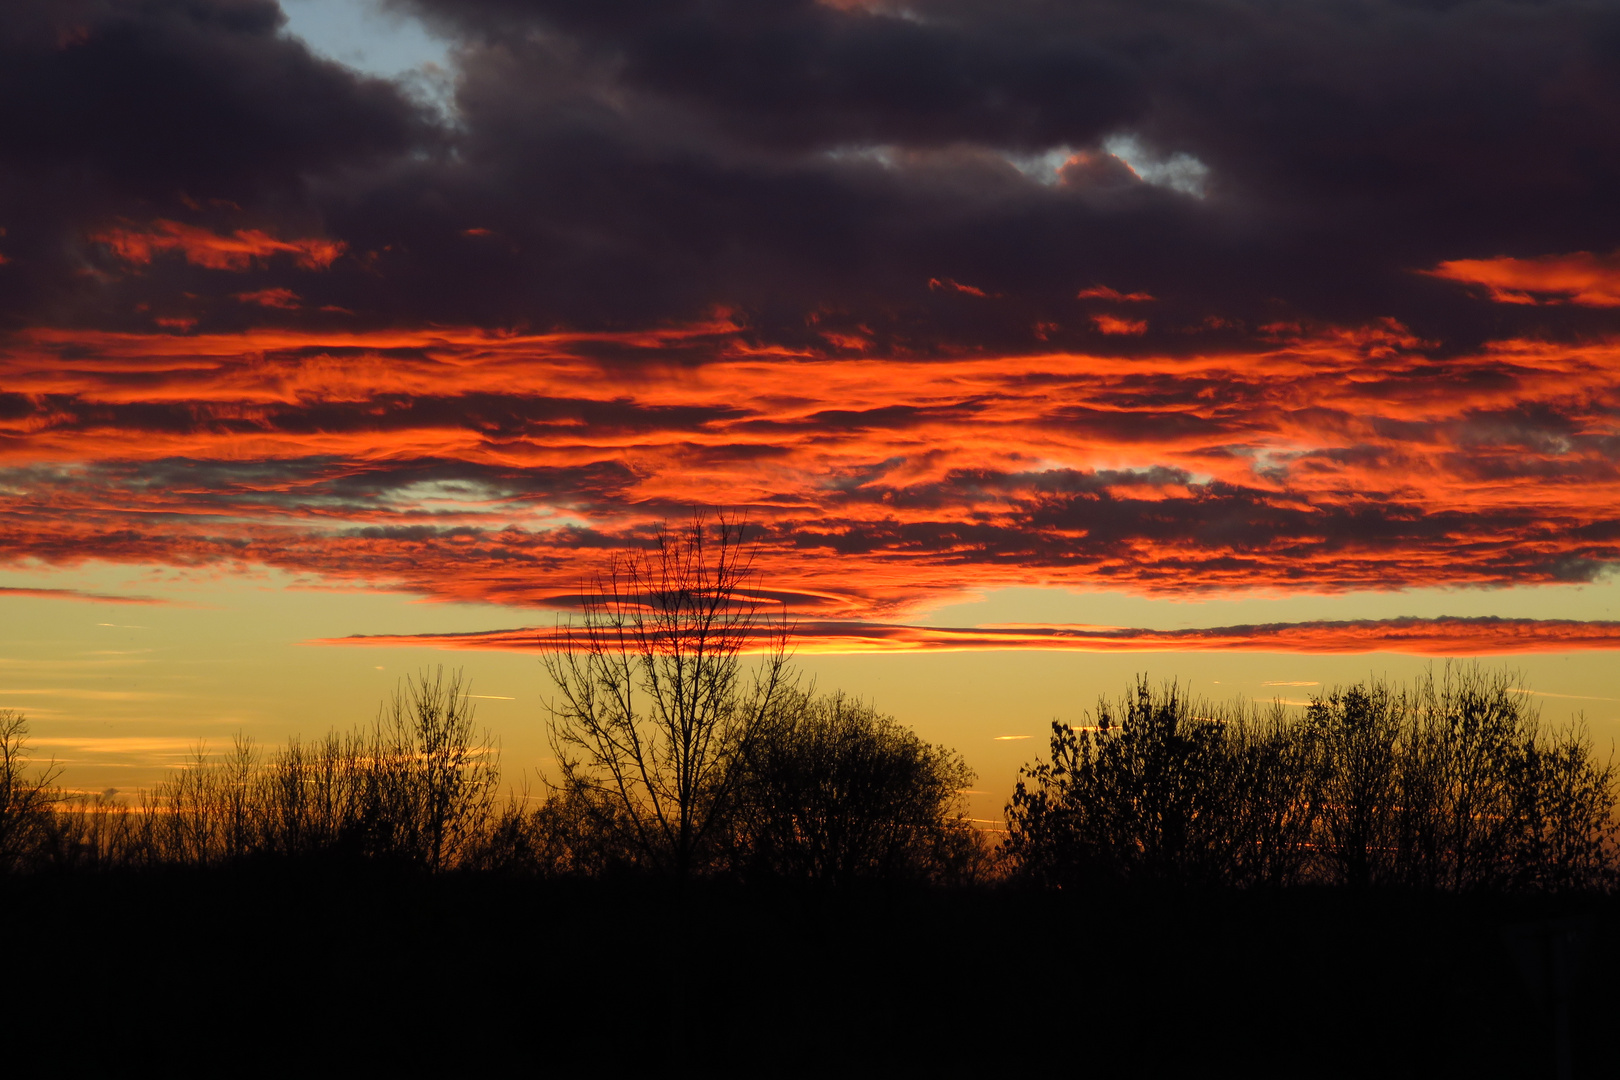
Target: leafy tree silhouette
(835,791)
(1451,783)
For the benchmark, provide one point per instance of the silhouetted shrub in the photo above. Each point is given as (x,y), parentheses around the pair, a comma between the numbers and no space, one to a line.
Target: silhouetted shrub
(834,791)
(571,833)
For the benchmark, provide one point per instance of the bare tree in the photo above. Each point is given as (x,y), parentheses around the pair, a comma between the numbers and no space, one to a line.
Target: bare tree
(25,795)
(433,775)
(653,702)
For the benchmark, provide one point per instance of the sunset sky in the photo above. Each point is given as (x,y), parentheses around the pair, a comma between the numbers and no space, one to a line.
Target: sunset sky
(1266,345)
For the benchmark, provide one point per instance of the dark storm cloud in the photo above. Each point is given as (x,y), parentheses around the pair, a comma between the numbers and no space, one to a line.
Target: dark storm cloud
(813,167)
(790,74)
(789,155)
(114,109)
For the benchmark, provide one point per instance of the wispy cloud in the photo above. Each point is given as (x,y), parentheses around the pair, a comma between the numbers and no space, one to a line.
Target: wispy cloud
(1444,636)
(1567,697)
(78,594)
(83,694)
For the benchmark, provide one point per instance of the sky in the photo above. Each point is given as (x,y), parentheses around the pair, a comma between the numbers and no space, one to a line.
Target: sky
(1263,344)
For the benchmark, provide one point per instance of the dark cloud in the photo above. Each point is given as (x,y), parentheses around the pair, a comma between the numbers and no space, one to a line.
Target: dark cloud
(794,75)
(790,156)
(812,167)
(138,109)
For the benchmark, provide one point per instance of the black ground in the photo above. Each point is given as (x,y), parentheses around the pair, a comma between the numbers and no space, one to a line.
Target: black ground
(271,972)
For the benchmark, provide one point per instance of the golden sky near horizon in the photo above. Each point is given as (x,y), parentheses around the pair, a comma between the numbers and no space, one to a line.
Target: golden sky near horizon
(118,693)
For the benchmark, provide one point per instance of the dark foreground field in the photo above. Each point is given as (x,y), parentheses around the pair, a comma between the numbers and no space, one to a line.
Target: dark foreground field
(266,971)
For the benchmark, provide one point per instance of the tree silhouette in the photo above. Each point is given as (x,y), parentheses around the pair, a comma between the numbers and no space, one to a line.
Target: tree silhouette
(1451,783)
(653,706)
(1139,795)
(836,791)
(25,795)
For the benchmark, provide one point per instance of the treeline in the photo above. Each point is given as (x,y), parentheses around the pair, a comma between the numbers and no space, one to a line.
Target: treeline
(827,789)
(418,787)
(1452,783)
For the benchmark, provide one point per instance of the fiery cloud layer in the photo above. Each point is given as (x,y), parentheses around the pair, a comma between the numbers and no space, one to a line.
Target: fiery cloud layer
(468,465)
(240,251)
(967,295)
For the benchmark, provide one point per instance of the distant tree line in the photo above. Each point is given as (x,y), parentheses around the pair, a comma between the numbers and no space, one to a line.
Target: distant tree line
(685,747)
(1449,784)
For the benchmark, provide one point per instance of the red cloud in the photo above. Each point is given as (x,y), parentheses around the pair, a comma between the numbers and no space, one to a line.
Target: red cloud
(1581,278)
(238,251)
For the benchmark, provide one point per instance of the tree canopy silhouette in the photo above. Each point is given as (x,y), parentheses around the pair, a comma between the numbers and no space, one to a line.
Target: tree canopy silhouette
(1451,783)
(835,791)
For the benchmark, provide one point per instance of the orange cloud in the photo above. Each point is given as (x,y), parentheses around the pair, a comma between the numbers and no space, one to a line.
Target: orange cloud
(1581,278)
(1103,292)
(1425,637)
(1108,324)
(238,251)
(285,299)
